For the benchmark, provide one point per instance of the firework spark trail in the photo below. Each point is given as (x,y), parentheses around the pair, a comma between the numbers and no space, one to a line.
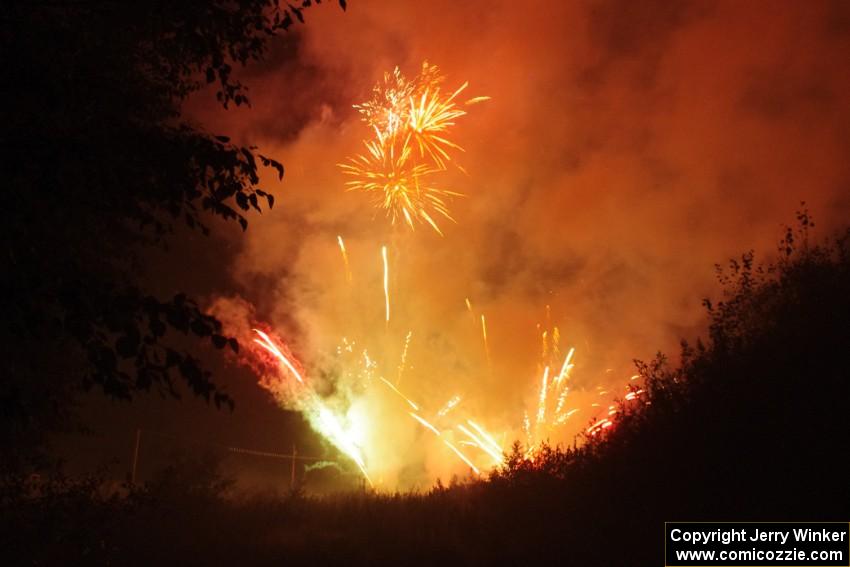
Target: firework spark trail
(344,258)
(565,369)
(463,457)
(541,406)
(386,282)
(565,416)
(469,308)
(484,335)
(425,423)
(633,395)
(497,455)
(564,374)
(392,387)
(544,345)
(453,401)
(599,426)
(562,398)
(476,100)
(269,346)
(401,366)
(486,436)
(526,427)
(554,339)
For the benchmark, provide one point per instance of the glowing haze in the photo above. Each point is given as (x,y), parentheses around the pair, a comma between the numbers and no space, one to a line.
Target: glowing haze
(626,148)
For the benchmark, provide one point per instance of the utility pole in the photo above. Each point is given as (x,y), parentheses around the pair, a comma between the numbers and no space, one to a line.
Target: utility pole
(135,456)
(292,470)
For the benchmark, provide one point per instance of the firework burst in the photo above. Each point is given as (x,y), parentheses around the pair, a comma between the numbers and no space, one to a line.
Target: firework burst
(411,122)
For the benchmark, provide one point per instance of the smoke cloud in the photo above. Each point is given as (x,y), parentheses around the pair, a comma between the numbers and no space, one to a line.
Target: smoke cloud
(627,148)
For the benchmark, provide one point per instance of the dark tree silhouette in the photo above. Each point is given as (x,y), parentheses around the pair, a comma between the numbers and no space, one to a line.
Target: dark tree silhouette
(98,163)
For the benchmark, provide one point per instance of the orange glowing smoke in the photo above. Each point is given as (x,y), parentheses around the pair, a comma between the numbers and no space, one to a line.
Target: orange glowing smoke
(411,123)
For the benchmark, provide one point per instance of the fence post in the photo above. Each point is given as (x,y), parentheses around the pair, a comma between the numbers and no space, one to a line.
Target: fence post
(135,456)
(292,473)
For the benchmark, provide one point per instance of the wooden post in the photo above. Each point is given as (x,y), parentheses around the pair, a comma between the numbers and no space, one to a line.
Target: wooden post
(292,474)
(135,457)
